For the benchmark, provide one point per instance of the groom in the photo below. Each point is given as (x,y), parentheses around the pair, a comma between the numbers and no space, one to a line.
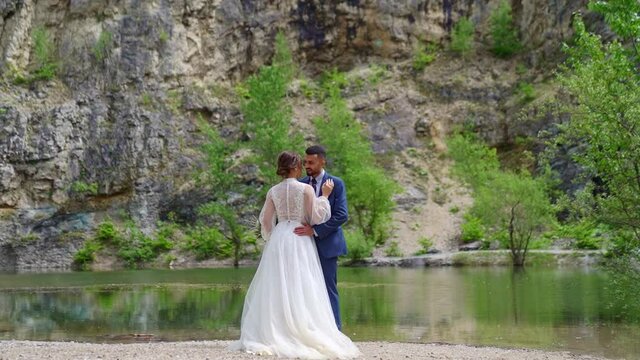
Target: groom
(329,237)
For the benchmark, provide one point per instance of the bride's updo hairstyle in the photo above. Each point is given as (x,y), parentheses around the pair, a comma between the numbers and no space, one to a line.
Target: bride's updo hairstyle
(287,161)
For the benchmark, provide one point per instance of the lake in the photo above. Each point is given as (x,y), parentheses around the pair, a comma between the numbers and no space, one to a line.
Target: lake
(571,309)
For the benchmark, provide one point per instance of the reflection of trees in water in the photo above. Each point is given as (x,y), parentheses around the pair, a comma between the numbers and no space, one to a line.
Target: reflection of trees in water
(91,313)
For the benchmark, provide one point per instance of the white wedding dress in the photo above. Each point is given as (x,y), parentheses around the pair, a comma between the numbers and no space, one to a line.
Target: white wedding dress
(287,312)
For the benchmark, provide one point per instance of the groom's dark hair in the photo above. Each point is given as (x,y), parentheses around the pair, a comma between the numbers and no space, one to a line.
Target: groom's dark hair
(317,150)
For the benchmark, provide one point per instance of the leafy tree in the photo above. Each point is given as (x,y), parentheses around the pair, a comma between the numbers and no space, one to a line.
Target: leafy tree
(505,201)
(504,35)
(604,82)
(220,180)
(462,37)
(370,190)
(266,112)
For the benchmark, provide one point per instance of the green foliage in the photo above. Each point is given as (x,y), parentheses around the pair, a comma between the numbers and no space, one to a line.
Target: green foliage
(521,69)
(146,100)
(102,45)
(585,233)
(163,36)
(44,55)
(266,112)
(81,187)
(86,255)
(352,158)
(462,37)
(504,201)
(526,92)
(131,244)
(503,33)
(378,73)
(357,245)
(137,248)
(220,180)
(425,245)
(107,233)
(174,101)
(393,250)
(207,242)
(472,229)
(605,87)
(423,56)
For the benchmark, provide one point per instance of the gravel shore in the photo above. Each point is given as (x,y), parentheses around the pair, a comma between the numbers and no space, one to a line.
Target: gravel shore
(218,350)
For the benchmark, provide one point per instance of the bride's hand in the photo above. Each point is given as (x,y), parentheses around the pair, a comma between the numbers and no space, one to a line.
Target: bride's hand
(327,188)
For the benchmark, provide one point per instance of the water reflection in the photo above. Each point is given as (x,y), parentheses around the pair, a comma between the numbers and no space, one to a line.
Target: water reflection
(540,308)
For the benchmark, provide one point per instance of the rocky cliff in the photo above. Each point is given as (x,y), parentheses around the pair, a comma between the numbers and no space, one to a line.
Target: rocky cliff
(115,129)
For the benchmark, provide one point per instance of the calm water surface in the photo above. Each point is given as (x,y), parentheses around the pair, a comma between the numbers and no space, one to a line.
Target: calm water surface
(558,309)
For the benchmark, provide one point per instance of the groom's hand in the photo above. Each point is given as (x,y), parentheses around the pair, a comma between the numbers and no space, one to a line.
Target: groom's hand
(304,230)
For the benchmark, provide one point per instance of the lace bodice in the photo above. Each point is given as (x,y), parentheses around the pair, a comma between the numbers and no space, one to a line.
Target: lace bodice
(291,200)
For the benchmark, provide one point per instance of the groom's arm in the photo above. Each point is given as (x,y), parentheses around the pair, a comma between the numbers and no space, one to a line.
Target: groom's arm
(339,212)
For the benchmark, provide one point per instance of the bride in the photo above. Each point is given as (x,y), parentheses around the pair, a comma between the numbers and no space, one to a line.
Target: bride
(286,310)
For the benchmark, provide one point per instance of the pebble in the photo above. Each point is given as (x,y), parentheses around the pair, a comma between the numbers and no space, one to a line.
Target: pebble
(194,350)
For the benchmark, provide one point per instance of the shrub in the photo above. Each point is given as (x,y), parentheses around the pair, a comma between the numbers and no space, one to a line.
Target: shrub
(526,92)
(423,56)
(102,45)
(86,254)
(357,245)
(81,187)
(44,55)
(503,33)
(207,242)
(393,250)
(425,245)
(472,229)
(462,37)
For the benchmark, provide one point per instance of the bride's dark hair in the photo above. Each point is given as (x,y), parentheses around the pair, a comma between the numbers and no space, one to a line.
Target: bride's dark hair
(288,160)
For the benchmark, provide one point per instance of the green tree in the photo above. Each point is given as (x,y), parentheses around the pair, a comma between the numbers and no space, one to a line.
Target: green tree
(505,201)
(369,189)
(220,180)
(604,82)
(266,111)
(503,33)
(462,37)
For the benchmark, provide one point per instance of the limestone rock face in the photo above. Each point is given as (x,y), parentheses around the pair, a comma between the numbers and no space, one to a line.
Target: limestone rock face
(116,128)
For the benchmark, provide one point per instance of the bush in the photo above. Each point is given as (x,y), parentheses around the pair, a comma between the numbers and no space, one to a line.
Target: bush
(462,37)
(81,187)
(86,255)
(44,55)
(526,92)
(357,245)
(423,56)
(107,233)
(472,229)
(393,250)
(102,45)
(426,244)
(207,242)
(503,33)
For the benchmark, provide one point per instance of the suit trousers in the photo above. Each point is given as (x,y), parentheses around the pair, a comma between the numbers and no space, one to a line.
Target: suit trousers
(330,272)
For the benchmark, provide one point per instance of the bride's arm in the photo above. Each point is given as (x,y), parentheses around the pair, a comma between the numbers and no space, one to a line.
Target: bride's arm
(317,209)
(267,217)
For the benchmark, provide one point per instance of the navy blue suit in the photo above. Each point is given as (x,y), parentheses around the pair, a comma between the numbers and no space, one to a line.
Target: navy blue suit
(330,240)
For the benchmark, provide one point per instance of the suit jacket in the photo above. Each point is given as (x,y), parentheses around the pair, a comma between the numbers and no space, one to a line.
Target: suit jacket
(330,240)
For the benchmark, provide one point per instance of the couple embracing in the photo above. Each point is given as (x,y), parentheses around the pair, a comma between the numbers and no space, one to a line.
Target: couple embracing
(291,308)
